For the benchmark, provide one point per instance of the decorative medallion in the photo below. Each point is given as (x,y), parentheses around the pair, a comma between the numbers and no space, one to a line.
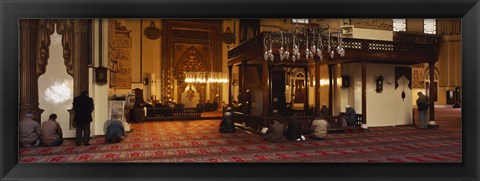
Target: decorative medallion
(152,32)
(228,36)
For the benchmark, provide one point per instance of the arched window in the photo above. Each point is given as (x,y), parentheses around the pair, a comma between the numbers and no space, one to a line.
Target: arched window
(399,25)
(430,26)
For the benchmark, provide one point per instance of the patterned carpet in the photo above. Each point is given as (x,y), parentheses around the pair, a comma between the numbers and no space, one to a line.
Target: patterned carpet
(200,141)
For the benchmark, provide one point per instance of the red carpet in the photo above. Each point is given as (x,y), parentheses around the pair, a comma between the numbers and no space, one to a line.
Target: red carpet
(200,141)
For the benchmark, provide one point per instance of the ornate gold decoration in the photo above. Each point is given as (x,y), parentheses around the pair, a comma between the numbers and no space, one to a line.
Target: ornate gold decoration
(120,55)
(380,24)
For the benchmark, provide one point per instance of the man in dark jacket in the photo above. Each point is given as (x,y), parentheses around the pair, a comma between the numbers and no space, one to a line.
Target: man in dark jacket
(83,107)
(227,125)
(324,110)
(350,115)
(288,111)
(294,131)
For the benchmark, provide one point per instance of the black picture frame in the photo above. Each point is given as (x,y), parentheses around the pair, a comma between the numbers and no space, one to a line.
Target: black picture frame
(11,11)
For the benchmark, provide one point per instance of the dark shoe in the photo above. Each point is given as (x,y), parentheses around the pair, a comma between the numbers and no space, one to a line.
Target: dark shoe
(87,144)
(77,145)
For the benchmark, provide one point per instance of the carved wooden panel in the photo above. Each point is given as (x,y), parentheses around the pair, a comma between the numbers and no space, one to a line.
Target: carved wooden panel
(379,24)
(120,55)
(181,36)
(192,60)
(418,76)
(65,28)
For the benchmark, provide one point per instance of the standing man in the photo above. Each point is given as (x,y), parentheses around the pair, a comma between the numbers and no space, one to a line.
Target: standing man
(52,132)
(83,107)
(422,104)
(30,132)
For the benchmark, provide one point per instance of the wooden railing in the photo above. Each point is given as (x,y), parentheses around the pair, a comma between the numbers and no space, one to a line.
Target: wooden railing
(256,123)
(409,52)
(173,112)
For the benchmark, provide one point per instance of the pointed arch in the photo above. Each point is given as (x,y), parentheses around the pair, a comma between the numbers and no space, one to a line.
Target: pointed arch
(192,59)
(427,73)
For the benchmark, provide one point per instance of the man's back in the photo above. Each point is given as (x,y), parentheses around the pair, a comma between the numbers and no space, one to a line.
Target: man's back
(294,129)
(29,131)
(83,106)
(275,132)
(319,128)
(115,129)
(51,132)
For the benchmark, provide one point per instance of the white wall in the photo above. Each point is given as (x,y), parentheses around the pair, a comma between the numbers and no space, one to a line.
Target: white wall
(99,92)
(55,88)
(383,109)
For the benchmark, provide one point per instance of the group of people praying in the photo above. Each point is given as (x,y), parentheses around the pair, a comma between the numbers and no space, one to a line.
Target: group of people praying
(50,133)
(291,128)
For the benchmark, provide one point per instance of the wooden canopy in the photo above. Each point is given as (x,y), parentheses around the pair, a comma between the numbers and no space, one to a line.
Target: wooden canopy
(406,49)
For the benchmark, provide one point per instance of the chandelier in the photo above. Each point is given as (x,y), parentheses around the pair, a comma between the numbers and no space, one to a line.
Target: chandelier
(206,77)
(315,41)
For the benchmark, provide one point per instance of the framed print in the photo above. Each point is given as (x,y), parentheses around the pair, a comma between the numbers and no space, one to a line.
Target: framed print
(288,61)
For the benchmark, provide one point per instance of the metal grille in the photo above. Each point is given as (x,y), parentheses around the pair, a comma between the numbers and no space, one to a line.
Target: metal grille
(352,45)
(381,47)
(399,25)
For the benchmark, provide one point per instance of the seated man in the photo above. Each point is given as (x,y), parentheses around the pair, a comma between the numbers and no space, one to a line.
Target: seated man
(115,132)
(288,111)
(214,105)
(319,128)
(200,106)
(275,132)
(350,116)
(52,132)
(294,131)
(227,125)
(324,110)
(208,106)
(30,132)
